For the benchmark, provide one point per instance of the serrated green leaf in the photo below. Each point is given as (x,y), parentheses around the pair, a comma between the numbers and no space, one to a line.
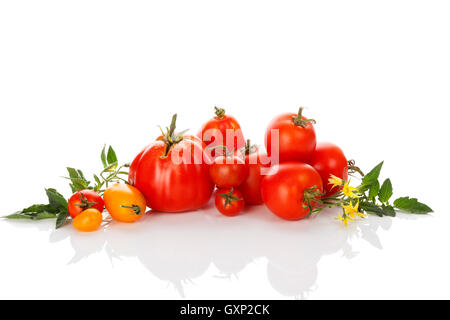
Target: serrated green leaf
(371,177)
(411,205)
(385,192)
(111,156)
(61,219)
(103,157)
(373,190)
(56,200)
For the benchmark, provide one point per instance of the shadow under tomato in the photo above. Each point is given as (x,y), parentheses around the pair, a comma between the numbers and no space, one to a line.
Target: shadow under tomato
(178,248)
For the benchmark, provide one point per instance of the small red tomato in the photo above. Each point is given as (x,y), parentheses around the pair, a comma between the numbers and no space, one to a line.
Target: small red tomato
(256,161)
(228,171)
(296,137)
(214,132)
(229,201)
(290,189)
(82,200)
(328,159)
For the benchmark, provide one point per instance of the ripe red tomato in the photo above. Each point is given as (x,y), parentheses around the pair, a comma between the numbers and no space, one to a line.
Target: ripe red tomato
(172,174)
(329,159)
(297,138)
(83,200)
(256,161)
(229,201)
(228,171)
(287,188)
(214,133)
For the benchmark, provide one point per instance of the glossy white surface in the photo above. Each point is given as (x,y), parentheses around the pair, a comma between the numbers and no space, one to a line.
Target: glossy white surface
(205,255)
(76,75)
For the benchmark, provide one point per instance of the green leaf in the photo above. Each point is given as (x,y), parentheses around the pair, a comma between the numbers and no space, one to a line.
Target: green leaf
(411,205)
(389,211)
(56,200)
(103,157)
(373,191)
(32,216)
(371,177)
(61,219)
(386,191)
(371,208)
(77,179)
(111,157)
(36,208)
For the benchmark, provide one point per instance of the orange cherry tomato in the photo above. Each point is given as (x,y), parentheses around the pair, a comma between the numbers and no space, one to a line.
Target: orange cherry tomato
(89,220)
(124,202)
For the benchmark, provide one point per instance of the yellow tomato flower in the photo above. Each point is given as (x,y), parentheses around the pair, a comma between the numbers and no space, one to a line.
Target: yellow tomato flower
(349,191)
(335,181)
(352,211)
(344,218)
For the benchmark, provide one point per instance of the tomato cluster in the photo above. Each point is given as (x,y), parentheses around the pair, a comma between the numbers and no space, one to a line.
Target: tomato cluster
(179,172)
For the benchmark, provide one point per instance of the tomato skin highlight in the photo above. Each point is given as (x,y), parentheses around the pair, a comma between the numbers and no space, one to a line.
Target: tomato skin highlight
(220,125)
(78,202)
(87,221)
(295,143)
(329,159)
(251,186)
(168,186)
(228,171)
(283,189)
(124,202)
(234,207)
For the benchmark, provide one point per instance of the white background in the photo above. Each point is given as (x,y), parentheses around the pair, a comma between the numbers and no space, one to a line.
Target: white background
(77,74)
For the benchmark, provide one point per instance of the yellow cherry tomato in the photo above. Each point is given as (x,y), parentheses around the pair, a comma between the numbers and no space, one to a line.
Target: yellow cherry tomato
(124,202)
(88,220)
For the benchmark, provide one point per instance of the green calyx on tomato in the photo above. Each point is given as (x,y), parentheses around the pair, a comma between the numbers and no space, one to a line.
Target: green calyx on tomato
(229,198)
(169,137)
(301,121)
(248,148)
(84,203)
(310,196)
(135,208)
(219,112)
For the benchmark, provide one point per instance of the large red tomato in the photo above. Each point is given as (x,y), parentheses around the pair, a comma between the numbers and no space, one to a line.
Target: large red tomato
(256,161)
(214,133)
(172,173)
(297,138)
(328,159)
(288,187)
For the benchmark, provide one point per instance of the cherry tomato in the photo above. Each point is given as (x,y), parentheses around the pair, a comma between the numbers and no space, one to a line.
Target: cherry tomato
(288,188)
(124,203)
(297,138)
(228,171)
(328,159)
(256,161)
(89,220)
(173,173)
(82,200)
(229,201)
(214,133)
